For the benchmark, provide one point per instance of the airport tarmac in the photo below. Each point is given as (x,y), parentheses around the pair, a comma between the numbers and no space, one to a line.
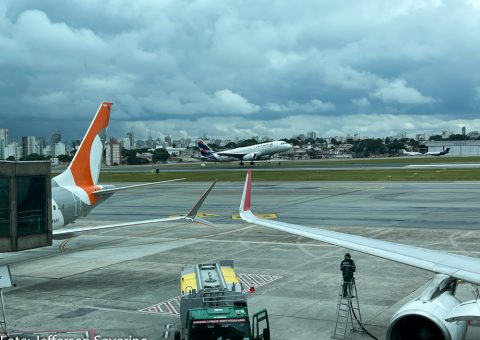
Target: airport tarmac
(123,282)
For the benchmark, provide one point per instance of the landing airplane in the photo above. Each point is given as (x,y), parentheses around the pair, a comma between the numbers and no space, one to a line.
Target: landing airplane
(430,153)
(436,314)
(251,153)
(75,192)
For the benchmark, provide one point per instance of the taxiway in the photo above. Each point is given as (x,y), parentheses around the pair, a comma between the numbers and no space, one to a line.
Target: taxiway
(123,282)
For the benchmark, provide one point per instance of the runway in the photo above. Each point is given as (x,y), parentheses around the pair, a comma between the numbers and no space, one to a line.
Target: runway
(287,165)
(114,281)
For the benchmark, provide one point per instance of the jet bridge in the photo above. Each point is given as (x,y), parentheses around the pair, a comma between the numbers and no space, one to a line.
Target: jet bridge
(25,205)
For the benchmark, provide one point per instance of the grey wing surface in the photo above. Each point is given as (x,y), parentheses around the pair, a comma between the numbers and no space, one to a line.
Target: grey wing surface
(458,266)
(190,216)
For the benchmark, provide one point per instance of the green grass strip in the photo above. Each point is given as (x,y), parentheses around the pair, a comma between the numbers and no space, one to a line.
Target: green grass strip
(340,162)
(302,175)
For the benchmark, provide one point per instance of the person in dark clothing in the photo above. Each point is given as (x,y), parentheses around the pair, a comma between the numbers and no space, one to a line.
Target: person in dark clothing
(347,266)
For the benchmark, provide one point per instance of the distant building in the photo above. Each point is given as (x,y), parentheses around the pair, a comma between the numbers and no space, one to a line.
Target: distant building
(131,139)
(13,149)
(266,139)
(126,143)
(29,145)
(464,130)
(3,142)
(55,138)
(150,139)
(175,151)
(420,137)
(113,152)
(446,134)
(474,134)
(60,149)
(47,151)
(4,135)
(457,147)
(168,141)
(311,135)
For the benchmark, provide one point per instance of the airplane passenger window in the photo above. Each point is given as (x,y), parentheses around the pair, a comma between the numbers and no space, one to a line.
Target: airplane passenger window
(4,206)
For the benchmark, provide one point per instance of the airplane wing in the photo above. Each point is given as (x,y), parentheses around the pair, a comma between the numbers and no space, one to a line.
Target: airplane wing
(457,266)
(190,216)
(109,191)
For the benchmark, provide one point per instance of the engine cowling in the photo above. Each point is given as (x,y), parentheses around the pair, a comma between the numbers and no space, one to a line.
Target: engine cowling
(264,157)
(250,157)
(425,320)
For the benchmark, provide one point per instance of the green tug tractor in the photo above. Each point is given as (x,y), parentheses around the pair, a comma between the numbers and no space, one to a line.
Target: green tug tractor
(213,305)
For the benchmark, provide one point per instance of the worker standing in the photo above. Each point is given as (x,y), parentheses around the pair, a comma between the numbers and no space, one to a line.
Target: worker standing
(347,266)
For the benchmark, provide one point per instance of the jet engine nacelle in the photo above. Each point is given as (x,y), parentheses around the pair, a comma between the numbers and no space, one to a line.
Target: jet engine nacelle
(420,319)
(250,157)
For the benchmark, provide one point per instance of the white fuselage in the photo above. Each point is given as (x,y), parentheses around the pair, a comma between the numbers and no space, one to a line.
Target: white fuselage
(255,152)
(268,148)
(68,204)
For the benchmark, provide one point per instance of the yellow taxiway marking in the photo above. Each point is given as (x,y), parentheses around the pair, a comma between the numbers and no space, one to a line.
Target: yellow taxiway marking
(202,214)
(267,216)
(353,187)
(62,245)
(199,214)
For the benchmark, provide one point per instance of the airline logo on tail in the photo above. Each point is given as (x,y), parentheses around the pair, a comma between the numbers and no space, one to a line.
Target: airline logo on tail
(205,149)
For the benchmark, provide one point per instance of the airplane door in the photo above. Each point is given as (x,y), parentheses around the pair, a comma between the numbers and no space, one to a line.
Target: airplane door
(78,204)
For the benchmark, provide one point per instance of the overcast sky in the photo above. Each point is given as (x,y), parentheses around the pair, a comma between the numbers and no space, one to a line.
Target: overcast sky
(240,68)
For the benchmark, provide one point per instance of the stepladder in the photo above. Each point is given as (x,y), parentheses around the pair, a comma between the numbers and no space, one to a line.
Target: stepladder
(349,317)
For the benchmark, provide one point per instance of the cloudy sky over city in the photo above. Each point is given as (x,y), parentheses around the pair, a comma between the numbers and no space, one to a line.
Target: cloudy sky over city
(240,68)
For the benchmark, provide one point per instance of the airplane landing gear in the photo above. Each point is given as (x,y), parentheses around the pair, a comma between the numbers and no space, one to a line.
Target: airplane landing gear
(251,163)
(241,163)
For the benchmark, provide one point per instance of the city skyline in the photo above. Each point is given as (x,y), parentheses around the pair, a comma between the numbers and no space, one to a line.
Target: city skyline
(130,137)
(241,70)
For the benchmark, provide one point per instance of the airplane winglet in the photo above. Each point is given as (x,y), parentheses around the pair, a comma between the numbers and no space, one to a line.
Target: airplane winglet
(192,214)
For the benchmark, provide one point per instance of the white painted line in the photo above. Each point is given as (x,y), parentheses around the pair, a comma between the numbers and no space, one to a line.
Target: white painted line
(172,306)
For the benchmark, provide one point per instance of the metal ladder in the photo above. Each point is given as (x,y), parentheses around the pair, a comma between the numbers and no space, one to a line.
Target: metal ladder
(348,312)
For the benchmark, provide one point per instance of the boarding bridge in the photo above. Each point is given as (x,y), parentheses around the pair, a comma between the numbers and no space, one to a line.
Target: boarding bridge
(25,205)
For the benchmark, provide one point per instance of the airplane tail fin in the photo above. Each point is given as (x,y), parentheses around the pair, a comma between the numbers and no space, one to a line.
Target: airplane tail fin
(205,150)
(84,169)
(247,192)
(244,210)
(447,150)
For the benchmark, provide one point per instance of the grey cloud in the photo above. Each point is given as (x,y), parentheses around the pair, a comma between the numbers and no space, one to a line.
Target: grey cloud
(398,92)
(313,106)
(362,102)
(175,61)
(369,125)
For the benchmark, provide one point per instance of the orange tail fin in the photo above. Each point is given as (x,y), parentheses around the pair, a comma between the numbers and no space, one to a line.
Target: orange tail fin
(84,169)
